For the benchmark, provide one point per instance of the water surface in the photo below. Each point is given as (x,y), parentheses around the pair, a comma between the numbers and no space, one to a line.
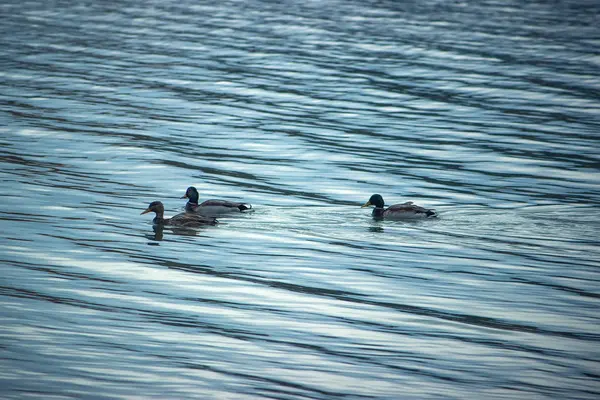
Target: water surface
(486,111)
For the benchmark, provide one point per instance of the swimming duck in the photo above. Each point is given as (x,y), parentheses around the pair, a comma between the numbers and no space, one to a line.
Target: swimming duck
(211,207)
(183,219)
(406,210)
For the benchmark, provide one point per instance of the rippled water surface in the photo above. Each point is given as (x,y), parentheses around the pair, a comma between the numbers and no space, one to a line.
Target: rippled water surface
(487,111)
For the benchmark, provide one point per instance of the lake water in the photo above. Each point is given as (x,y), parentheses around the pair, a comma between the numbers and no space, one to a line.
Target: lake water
(487,111)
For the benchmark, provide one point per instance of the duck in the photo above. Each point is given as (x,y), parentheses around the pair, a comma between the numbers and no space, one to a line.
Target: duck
(183,219)
(211,207)
(406,210)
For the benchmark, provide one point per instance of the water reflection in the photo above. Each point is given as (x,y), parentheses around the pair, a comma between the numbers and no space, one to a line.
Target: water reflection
(158,234)
(376,229)
(158,230)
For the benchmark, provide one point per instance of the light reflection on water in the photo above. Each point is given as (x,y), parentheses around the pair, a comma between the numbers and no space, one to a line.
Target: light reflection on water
(304,111)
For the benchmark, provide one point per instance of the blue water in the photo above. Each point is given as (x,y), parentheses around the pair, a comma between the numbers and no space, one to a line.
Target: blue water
(488,112)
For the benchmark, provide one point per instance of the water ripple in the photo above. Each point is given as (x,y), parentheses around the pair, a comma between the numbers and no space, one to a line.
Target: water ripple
(485,111)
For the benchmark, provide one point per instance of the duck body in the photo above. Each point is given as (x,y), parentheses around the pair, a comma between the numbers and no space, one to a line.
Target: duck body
(184,219)
(211,207)
(402,211)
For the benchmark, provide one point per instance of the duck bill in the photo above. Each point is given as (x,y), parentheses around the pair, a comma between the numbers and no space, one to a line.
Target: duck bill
(147,210)
(185,196)
(367,204)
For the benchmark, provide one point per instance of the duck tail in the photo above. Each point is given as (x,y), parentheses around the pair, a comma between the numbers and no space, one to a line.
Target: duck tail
(244,206)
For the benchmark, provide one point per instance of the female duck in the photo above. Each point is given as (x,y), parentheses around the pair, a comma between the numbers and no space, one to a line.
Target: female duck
(183,219)
(211,207)
(406,210)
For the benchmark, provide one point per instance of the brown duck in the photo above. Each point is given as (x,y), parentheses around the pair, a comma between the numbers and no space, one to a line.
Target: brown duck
(183,219)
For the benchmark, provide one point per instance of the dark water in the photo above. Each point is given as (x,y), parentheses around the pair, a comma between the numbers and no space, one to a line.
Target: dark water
(488,112)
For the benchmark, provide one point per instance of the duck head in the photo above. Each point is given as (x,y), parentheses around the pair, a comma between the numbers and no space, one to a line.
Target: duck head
(375,200)
(192,194)
(156,207)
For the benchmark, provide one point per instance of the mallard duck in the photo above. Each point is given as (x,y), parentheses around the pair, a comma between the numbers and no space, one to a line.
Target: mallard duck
(406,210)
(183,219)
(211,207)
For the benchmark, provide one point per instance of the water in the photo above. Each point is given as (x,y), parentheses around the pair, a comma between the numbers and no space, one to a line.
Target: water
(486,111)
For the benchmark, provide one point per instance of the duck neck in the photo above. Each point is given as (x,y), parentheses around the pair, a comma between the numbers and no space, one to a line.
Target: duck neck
(191,206)
(378,211)
(159,219)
